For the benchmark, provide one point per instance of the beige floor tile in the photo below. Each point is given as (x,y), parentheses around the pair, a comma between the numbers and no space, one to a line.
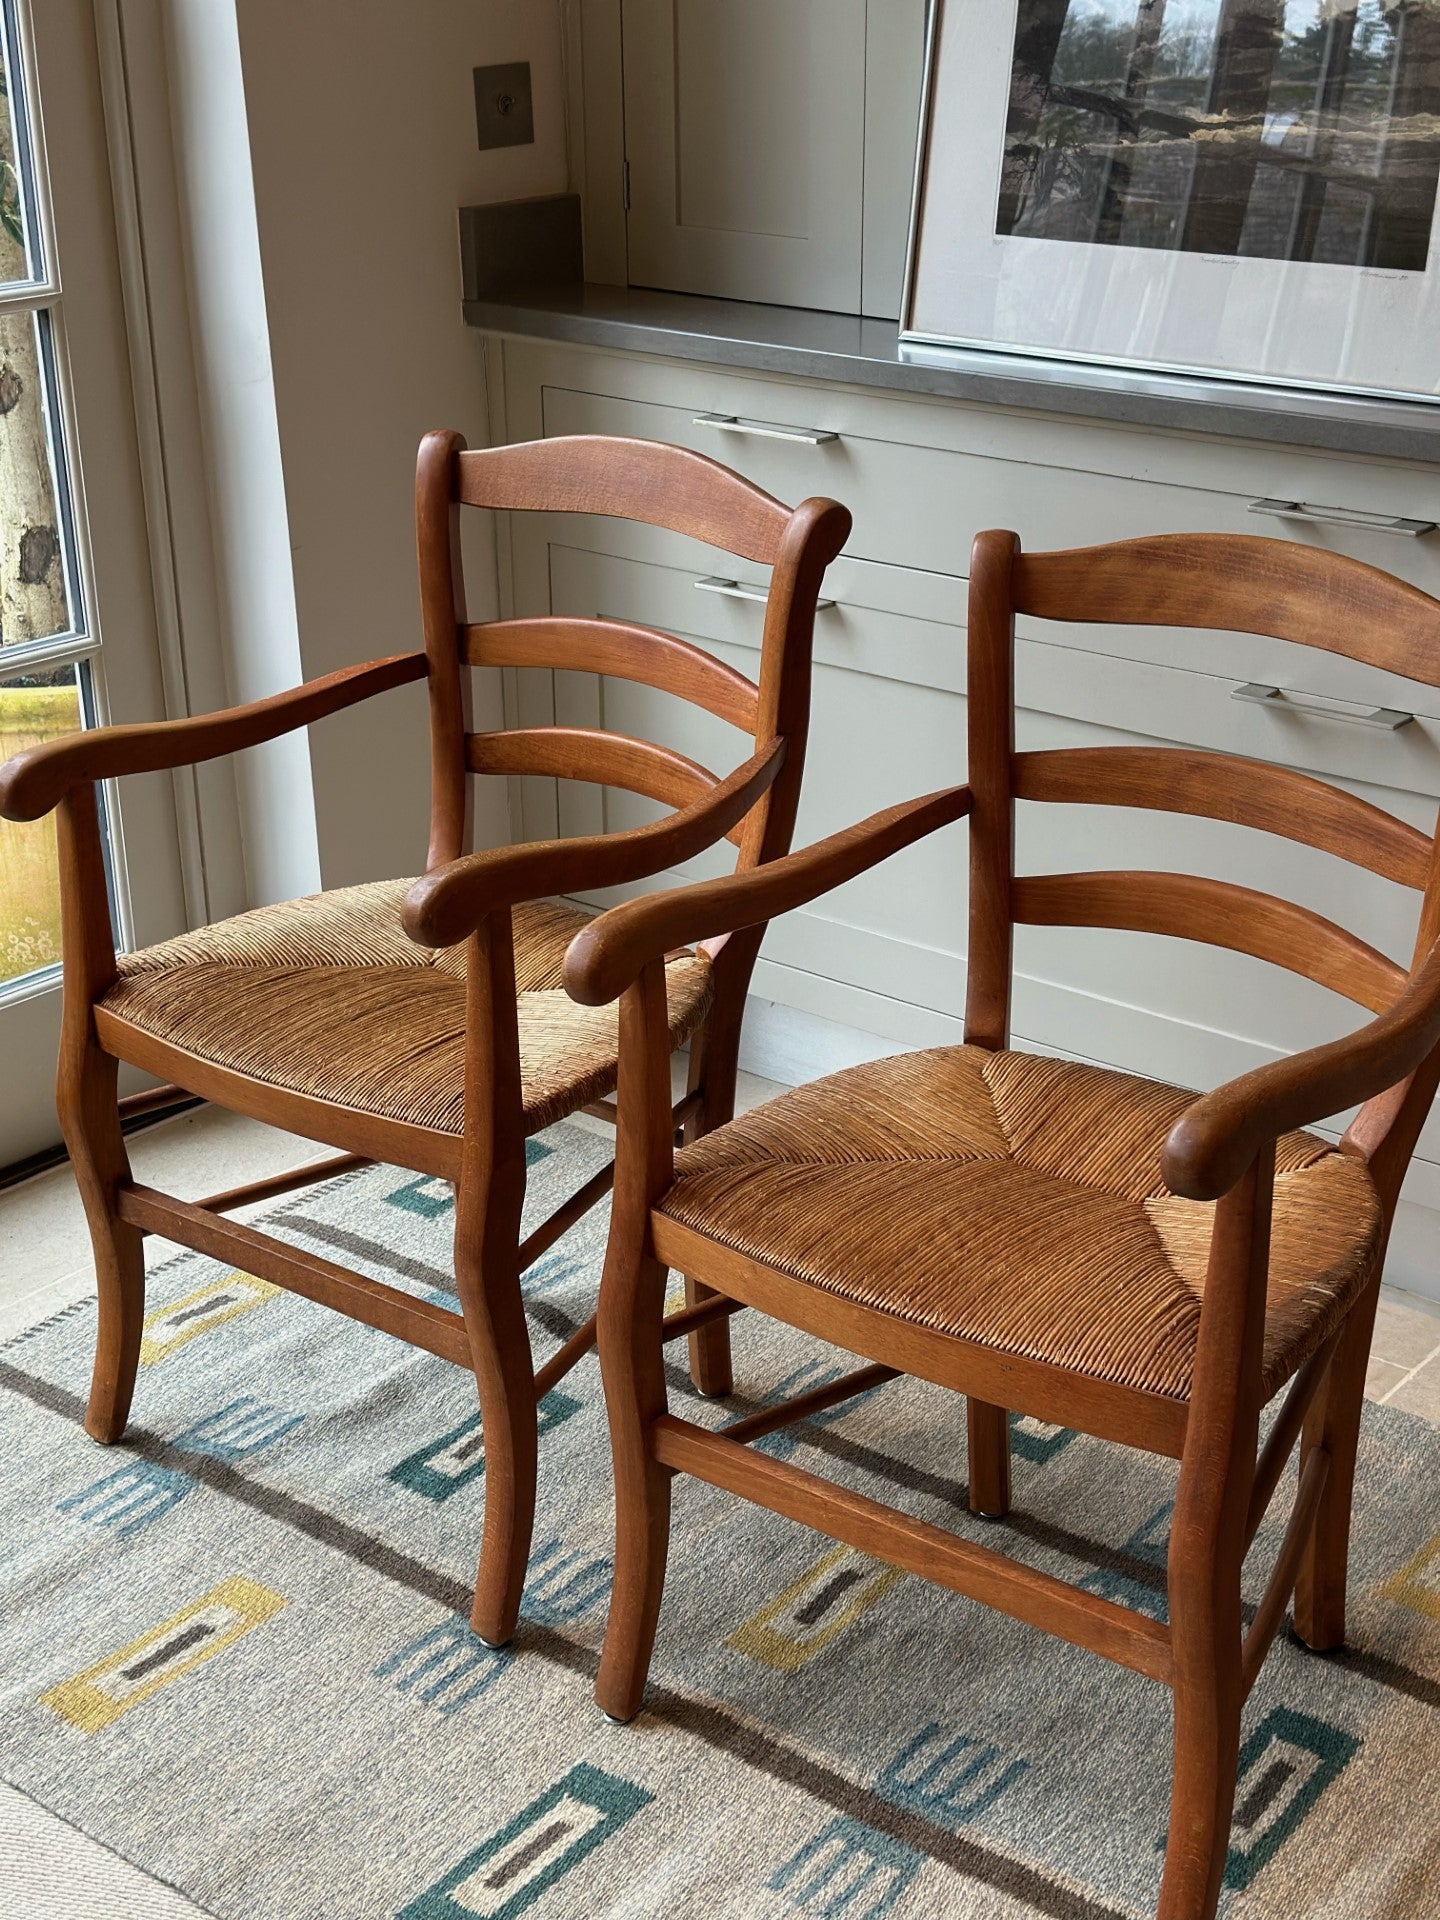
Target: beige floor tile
(43,1236)
(21,1310)
(42,1233)
(1382,1377)
(752,1091)
(45,1260)
(1404,1332)
(1419,1394)
(54,1872)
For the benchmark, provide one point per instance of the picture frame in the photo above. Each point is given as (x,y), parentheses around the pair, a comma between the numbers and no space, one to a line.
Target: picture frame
(1233,189)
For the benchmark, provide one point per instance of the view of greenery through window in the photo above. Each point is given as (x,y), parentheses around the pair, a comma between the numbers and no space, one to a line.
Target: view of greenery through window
(35,705)
(33,709)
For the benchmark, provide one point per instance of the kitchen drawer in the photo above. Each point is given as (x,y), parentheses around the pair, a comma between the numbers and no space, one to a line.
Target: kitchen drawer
(918,501)
(889,721)
(907,624)
(922,478)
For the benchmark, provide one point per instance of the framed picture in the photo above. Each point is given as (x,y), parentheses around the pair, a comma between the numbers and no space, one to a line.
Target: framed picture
(1244,188)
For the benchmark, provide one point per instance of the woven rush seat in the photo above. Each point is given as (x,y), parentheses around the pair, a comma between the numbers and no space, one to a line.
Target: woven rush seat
(1016,1202)
(329,997)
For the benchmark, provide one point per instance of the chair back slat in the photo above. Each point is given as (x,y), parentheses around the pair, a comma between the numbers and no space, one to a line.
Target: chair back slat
(663,486)
(632,479)
(621,651)
(603,759)
(1223,583)
(1190,907)
(1241,583)
(1249,793)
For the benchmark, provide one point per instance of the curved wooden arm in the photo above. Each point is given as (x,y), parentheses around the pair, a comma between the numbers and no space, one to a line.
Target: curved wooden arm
(34,782)
(1216,1139)
(608,954)
(450,903)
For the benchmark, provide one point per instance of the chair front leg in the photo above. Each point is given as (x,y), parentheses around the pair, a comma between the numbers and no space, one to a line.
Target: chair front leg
(87,1098)
(489,1200)
(1333,1422)
(632,1355)
(632,1366)
(1207,1549)
(1205,1623)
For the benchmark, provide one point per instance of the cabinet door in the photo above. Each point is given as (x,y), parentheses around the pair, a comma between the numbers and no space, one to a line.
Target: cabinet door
(745,137)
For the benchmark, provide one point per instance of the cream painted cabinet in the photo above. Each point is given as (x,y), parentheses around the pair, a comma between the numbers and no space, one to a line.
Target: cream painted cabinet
(885,956)
(768,155)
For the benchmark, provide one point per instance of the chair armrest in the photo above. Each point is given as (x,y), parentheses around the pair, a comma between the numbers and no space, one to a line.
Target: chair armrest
(35,781)
(1215,1139)
(605,957)
(450,903)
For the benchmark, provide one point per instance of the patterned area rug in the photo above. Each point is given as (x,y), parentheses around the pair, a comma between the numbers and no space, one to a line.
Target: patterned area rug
(236,1649)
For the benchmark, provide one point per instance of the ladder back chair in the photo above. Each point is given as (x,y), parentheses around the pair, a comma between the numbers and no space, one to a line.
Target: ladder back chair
(424,1023)
(1097,1250)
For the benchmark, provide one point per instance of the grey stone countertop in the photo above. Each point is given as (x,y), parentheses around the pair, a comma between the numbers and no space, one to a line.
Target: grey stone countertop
(868,353)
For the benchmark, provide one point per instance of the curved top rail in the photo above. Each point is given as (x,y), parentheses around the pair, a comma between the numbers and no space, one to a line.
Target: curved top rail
(1243,583)
(633,479)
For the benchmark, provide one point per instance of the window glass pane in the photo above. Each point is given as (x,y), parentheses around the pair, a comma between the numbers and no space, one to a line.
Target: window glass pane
(35,596)
(19,254)
(33,707)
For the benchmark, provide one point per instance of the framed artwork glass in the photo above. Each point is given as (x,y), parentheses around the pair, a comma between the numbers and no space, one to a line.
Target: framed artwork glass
(1244,188)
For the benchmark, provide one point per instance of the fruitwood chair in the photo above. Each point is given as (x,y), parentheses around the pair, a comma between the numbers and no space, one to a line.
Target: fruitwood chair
(1096,1250)
(423,1024)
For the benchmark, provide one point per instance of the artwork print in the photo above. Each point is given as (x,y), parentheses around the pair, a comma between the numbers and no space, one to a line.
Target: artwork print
(1304,130)
(1242,189)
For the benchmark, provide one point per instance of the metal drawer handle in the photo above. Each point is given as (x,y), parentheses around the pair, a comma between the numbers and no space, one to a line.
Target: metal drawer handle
(1343,517)
(744,590)
(765,429)
(1387,719)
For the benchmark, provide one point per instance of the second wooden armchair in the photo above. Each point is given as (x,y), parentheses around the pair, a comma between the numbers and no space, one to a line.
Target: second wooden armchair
(424,1024)
(1096,1250)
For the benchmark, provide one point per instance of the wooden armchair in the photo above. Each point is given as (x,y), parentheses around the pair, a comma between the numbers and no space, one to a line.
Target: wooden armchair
(423,1023)
(1096,1250)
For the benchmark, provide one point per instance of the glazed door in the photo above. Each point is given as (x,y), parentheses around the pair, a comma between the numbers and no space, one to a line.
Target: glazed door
(78,636)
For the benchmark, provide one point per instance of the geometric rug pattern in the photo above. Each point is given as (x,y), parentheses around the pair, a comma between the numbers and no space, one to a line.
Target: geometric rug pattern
(237,1651)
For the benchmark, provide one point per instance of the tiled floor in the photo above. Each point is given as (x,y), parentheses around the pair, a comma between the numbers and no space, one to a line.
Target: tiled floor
(44,1245)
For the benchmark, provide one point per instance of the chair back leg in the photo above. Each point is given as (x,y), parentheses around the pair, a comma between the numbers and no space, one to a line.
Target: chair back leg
(1333,1423)
(988,1430)
(714,1067)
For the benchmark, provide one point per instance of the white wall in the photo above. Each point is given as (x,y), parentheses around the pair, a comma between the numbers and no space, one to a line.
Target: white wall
(362,145)
(234,407)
